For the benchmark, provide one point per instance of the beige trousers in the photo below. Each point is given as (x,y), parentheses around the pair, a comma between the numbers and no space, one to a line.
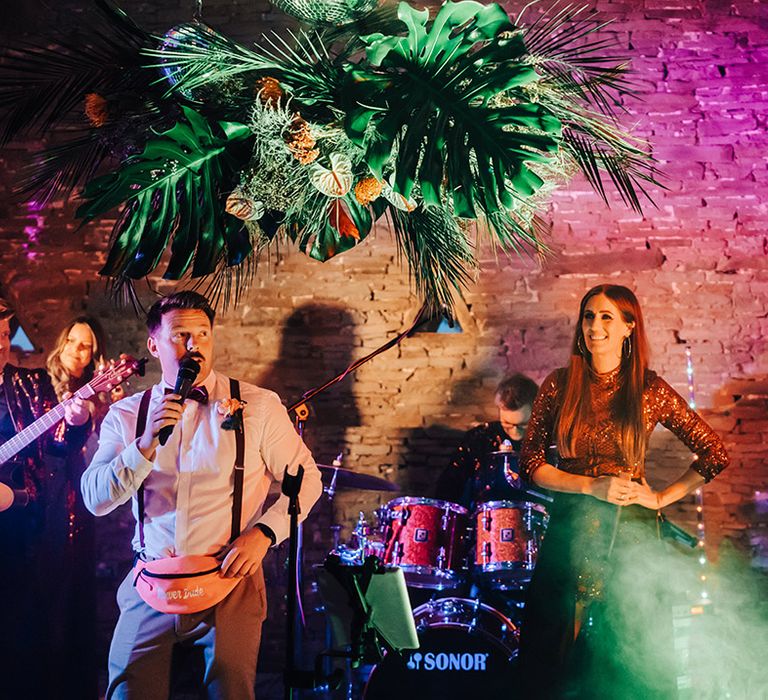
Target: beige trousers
(228,633)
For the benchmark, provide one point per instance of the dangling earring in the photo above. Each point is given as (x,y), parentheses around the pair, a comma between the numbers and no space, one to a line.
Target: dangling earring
(626,347)
(580,347)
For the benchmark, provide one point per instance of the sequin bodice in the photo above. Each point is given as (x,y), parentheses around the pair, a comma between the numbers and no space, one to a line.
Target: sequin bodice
(597,449)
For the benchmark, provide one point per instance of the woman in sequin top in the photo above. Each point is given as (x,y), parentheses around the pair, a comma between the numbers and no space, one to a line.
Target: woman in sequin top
(79,353)
(600,412)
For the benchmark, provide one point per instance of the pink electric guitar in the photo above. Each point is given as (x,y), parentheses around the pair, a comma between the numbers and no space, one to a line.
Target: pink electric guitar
(108,379)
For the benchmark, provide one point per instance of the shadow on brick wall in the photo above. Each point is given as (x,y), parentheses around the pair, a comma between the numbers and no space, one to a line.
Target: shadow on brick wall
(317,343)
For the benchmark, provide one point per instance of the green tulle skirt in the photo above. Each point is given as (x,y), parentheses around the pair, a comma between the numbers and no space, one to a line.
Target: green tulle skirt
(623,583)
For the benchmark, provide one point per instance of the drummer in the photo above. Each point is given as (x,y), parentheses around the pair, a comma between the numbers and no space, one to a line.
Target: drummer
(476,473)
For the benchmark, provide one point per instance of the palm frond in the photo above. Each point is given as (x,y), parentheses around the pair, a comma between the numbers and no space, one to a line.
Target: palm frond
(206,58)
(524,236)
(440,258)
(428,102)
(227,285)
(626,170)
(122,292)
(201,56)
(567,49)
(62,169)
(42,85)
(382,20)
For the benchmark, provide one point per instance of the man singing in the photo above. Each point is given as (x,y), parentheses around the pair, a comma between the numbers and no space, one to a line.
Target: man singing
(187,503)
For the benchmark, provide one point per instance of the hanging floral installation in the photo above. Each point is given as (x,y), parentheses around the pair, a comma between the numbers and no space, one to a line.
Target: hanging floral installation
(454,126)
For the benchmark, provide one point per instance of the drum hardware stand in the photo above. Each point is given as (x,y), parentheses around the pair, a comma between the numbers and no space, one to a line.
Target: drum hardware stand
(487,553)
(440,559)
(330,490)
(397,553)
(530,551)
(475,610)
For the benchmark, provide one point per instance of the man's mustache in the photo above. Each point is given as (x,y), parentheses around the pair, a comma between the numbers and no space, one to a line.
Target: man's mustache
(194,356)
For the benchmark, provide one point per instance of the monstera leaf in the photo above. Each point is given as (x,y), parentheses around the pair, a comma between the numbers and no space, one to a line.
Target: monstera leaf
(428,107)
(174,189)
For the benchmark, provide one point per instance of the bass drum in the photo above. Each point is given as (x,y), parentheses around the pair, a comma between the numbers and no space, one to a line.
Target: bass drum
(467,649)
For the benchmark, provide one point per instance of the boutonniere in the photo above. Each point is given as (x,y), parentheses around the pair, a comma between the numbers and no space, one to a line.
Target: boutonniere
(232,410)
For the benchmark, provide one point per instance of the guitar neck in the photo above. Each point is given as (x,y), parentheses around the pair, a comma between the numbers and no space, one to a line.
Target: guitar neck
(42,425)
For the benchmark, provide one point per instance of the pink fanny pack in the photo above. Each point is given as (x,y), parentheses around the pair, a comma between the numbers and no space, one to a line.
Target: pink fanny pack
(182,585)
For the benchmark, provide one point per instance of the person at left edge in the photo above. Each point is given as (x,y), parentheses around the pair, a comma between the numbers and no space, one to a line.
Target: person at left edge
(188,485)
(29,578)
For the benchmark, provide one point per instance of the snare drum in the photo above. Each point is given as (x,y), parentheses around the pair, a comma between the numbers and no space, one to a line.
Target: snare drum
(507,539)
(428,540)
(466,650)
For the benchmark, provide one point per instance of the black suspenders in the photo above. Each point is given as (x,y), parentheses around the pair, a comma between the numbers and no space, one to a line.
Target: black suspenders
(237,493)
(141,421)
(239,468)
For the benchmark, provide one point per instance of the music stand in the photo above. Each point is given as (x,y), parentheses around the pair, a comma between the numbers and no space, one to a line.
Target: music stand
(368,606)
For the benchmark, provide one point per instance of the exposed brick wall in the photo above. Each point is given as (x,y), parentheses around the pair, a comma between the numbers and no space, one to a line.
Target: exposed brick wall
(699,263)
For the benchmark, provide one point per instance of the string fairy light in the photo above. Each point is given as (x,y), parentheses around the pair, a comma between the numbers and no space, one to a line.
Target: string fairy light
(699,493)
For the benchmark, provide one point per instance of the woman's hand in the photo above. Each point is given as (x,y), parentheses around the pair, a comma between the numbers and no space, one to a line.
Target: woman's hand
(648,498)
(681,487)
(76,412)
(613,489)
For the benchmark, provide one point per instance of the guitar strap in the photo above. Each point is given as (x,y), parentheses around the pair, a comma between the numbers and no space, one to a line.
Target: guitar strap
(239,466)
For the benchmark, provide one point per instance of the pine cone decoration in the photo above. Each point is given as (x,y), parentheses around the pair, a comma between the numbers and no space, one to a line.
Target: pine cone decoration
(268,91)
(96,109)
(368,189)
(300,141)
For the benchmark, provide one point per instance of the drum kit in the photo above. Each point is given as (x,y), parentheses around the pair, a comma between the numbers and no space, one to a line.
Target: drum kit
(472,556)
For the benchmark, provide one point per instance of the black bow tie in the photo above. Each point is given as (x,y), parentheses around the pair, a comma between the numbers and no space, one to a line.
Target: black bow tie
(197,393)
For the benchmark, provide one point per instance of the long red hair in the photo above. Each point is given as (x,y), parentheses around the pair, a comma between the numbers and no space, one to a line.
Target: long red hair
(628,404)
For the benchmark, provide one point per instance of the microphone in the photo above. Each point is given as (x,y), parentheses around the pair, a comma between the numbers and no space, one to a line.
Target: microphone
(11,498)
(188,371)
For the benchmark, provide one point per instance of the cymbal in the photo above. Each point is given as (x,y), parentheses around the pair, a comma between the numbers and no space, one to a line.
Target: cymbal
(348,479)
(504,452)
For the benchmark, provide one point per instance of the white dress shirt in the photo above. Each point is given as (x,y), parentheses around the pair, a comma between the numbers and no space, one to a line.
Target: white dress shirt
(188,486)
